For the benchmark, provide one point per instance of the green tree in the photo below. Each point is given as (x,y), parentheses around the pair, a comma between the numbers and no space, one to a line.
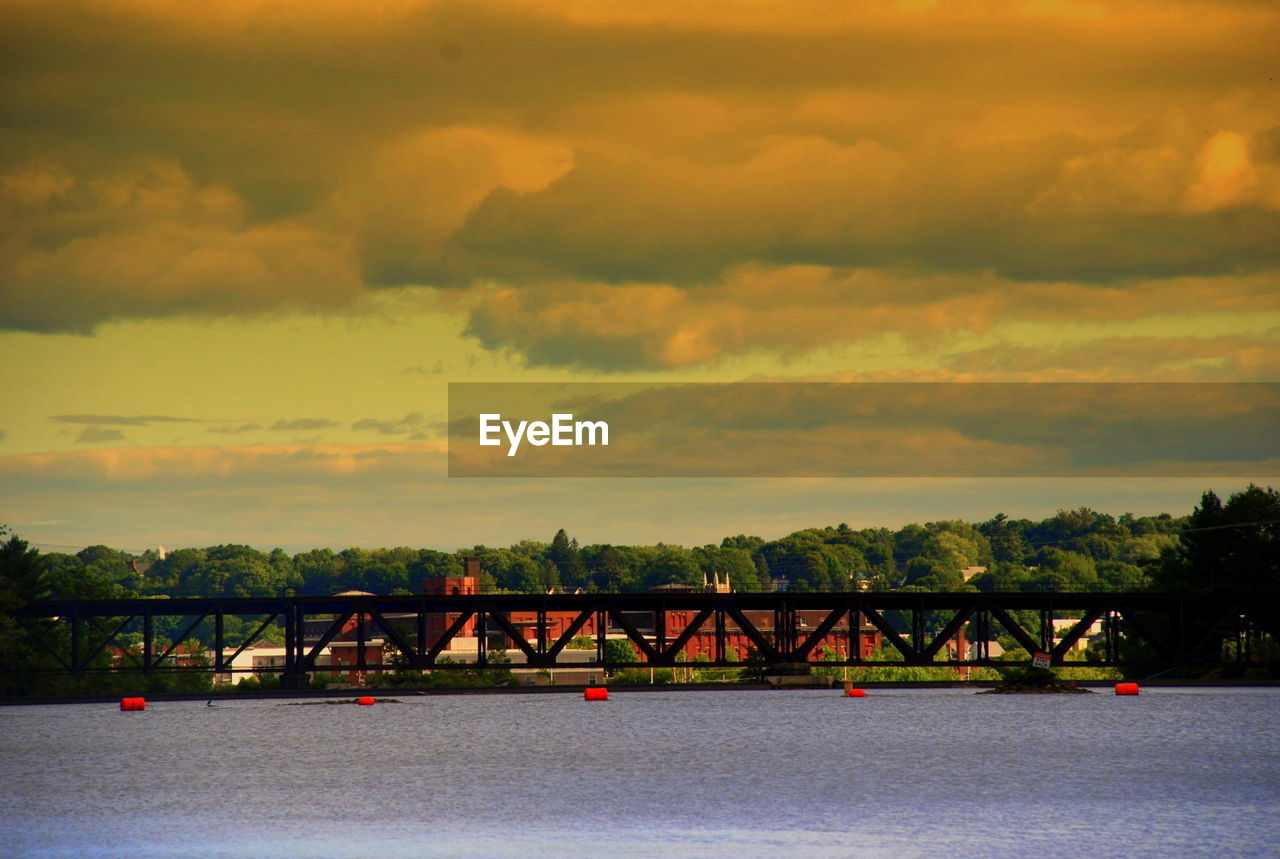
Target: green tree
(111,564)
(549,576)
(82,583)
(1227,547)
(431,564)
(320,572)
(1006,536)
(956,543)
(22,573)
(809,564)
(1068,571)
(728,562)
(931,574)
(567,557)
(611,569)
(1003,577)
(619,651)
(669,565)
(512,571)
(22,580)
(1119,576)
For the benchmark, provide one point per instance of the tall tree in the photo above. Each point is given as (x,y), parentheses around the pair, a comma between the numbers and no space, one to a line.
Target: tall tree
(22,573)
(566,556)
(1227,547)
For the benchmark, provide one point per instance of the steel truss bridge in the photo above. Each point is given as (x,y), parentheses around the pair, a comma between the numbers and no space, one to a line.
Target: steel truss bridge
(1157,631)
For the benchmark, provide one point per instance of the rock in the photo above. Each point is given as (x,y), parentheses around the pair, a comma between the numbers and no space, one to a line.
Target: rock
(1068,687)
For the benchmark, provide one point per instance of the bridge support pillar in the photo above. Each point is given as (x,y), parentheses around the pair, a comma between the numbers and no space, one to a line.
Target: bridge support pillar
(294,681)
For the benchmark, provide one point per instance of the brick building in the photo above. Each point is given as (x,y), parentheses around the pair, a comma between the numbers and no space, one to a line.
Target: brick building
(702,643)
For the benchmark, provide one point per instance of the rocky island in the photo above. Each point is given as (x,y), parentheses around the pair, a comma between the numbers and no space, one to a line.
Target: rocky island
(1033,681)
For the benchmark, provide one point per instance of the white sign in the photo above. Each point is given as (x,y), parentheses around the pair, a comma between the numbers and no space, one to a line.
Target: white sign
(1040,660)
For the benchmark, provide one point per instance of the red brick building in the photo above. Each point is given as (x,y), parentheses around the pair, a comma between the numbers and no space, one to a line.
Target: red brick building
(702,643)
(466,584)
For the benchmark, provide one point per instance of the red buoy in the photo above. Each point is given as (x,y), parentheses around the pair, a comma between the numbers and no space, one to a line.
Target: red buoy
(855,693)
(1126,688)
(365,701)
(595,693)
(130,705)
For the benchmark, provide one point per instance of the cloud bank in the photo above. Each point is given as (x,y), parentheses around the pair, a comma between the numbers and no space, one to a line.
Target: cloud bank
(616,188)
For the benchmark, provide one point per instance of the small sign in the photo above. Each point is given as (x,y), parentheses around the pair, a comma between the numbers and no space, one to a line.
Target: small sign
(1040,660)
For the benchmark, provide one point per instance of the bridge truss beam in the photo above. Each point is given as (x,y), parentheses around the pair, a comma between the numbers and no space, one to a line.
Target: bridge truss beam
(1138,629)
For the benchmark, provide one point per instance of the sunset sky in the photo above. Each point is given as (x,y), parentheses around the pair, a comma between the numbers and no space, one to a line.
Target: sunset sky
(246,245)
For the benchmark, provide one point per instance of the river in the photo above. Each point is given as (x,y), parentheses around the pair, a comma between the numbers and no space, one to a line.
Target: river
(902,772)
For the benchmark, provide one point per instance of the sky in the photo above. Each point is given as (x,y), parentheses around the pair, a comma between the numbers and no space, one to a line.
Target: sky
(246,246)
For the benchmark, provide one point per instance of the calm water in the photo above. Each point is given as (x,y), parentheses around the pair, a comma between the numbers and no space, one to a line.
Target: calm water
(901,773)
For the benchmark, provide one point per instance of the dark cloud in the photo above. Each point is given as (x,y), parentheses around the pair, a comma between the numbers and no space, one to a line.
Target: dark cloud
(96,434)
(813,201)
(302,424)
(411,423)
(1231,358)
(1266,146)
(232,430)
(121,420)
(419,370)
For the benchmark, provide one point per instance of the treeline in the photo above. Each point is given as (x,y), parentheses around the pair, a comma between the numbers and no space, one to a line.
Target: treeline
(1219,545)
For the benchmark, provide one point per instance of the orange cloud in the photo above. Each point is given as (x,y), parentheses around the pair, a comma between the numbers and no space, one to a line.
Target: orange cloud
(174,465)
(614,185)
(147,240)
(794,309)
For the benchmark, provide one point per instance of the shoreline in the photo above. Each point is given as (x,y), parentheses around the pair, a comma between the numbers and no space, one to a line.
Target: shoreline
(276,694)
